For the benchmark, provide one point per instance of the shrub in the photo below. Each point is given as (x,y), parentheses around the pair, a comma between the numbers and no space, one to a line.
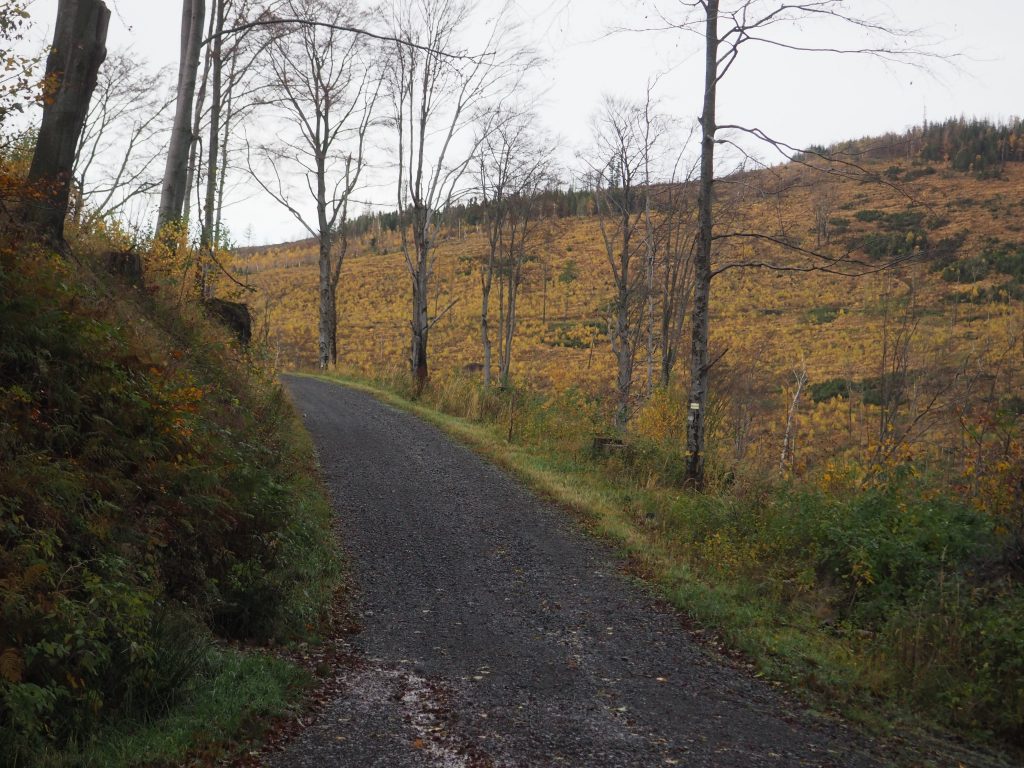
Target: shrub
(916,173)
(839,224)
(828,390)
(150,491)
(823,315)
(888,245)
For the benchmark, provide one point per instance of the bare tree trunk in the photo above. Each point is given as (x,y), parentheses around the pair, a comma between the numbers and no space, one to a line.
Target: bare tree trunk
(699,363)
(340,241)
(484,328)
(173,191)
(675,297)
(207,244)
(79,48)
(420,316)
(325,331)
(788,444)
(624,358)
(229,115)
(544,302)
(194,161)
(222,175)
(509,328)
(650,287)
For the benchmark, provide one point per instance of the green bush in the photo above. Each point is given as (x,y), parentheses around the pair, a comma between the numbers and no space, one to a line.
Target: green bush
(869,215)
(888,245)
(823,315)
(944,252)
(960,652)
(900,572)
(151,491)
(839,223)
(916,173)
(828,390)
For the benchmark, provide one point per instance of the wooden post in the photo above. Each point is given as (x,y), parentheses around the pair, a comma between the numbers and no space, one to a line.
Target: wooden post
(79,48)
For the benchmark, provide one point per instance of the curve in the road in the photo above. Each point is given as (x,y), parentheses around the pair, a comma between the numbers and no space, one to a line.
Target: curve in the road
(496,633)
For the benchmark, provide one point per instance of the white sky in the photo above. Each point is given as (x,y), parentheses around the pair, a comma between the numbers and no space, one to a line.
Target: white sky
(801,98)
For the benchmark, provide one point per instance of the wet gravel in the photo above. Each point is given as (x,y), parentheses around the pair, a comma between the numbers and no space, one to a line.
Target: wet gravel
(496,633)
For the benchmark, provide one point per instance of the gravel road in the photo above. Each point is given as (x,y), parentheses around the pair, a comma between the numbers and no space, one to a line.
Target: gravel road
(496,633)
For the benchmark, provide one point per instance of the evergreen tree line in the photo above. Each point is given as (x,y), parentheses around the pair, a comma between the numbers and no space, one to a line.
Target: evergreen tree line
(968,145)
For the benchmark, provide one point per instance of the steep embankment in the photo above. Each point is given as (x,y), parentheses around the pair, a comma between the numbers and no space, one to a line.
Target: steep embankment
(156,500)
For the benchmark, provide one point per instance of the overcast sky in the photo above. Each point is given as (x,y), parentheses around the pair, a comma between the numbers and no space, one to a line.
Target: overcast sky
(802,98)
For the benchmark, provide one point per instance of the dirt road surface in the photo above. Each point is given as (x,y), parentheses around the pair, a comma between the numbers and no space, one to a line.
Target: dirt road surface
(495,632)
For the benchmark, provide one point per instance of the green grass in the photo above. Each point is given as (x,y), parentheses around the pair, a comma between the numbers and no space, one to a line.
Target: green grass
(752,571)
(232,701)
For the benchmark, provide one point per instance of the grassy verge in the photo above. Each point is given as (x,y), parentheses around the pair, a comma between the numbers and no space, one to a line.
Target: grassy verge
(231,700)
(864,602)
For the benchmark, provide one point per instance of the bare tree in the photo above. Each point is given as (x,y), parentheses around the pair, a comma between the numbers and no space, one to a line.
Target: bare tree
(624,137)
(515,163)
(120,144)
(218,17)
(435,85)
(221,51)
(533,173)
(240,56)
(675,231)
(726,27)
(789,437)
(823,204)
(324,82)
(173,189)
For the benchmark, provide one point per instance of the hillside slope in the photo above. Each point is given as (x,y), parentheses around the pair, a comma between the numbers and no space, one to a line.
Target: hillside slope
(157,499)
(961,293)
(862,536)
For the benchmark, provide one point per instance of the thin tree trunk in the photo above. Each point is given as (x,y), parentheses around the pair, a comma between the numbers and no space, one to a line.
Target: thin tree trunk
(544,303)
(699,364)
(340,241)
(624,357)
(194,161)
(510,319)
(668,306)
(326,296)
(622,343)
(650,289)
(207,245)
(420,331)
(788,447)
(484,329)
(420,306)
(229,113)
(222,175)
(79,48)
(172,193)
